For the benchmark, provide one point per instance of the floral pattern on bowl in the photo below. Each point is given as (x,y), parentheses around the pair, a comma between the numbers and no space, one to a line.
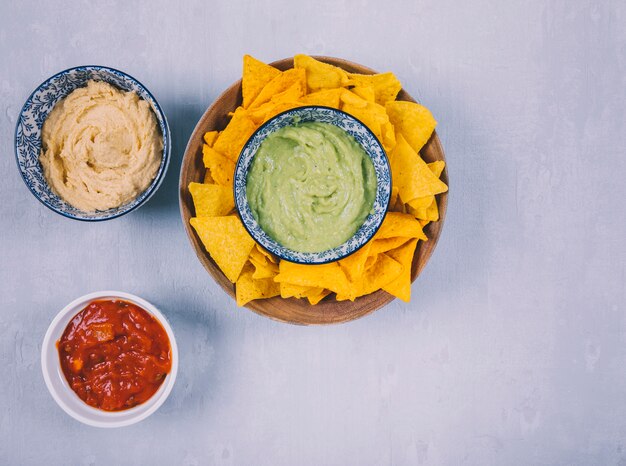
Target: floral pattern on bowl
(363,136)
(28,136)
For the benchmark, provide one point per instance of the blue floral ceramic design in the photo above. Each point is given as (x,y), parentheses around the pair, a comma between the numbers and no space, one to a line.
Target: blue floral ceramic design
(363,136)
(34,113)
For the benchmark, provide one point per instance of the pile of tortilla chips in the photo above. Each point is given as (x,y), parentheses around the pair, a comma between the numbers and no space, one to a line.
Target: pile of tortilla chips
(402,127)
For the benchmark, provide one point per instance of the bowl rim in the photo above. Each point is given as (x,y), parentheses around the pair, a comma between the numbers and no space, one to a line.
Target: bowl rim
(274,246)
(165,153)
(107,419)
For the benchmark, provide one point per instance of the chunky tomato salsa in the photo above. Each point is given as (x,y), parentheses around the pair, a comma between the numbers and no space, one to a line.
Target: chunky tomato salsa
(114,354)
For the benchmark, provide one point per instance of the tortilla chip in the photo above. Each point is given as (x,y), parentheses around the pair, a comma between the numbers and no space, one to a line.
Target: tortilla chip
(432,212)
(280,102)
(352,99)
(383,272)
(371,260)
(421,202)
(388,136)
(399,224)
(271,257)
(365,92)
(386,244)
(235,135)
(280,108)
(226,240)
(266,270)
(325,98)
(210,137)
(400,287)
(320,75)
(354,264)
(208,179)
(413,121)
(256,75)
(248,288)
(221,167)
(263,267)
(330,276)
(289,290)
(385,85)
(411,174)
(211,200)
(315,298)
(279,84)
(437,167)
(394,196)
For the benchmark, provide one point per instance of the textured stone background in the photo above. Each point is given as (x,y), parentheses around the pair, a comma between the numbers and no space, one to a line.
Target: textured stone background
(513,350)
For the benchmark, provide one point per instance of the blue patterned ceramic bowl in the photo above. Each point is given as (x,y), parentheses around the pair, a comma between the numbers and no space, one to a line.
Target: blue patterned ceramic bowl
(34,113)
(363,136)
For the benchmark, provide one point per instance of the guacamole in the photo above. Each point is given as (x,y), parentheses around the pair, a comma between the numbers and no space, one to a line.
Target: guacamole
(311,186)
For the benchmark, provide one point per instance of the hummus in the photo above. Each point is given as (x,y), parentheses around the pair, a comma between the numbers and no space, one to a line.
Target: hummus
(311,186)
(101,147)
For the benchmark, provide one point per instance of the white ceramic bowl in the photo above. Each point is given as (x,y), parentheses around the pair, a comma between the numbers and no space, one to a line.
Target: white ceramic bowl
(61,391)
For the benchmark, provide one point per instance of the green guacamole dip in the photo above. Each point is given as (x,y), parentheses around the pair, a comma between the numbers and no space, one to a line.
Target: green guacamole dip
(311,186)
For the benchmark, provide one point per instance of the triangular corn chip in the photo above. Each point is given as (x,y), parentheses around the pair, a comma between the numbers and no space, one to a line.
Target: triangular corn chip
(226,240)
(256,75)
(211,200)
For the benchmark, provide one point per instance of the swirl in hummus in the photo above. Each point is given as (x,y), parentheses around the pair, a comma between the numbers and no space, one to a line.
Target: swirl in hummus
(101,147)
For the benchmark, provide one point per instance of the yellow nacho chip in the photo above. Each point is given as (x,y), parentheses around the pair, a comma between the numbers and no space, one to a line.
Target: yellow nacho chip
(411,174)
(413,121)
(266,270)
(329,276)
(280,102)
(289,290)
(353,100)
(211,200)
(237,132)
(399,224)
(248,288)
(280,108)
(226,240)
(354,264)
(385,85)
(437,167)
(400,287)
(208,179)
(371,260)
(256,75)
(382,272)
(386,244)
(271,257)
(388,136)
(263,267)
(210,137)
(320,75)
(279,84)
(326,98)
(316,297)
(221,167)
(394,196)
(421,202)
(365,92)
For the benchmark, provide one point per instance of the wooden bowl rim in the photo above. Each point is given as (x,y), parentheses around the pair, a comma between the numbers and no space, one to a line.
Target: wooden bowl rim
(380,297)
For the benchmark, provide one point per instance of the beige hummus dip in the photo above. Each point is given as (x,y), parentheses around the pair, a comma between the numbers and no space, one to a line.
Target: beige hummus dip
(101,147)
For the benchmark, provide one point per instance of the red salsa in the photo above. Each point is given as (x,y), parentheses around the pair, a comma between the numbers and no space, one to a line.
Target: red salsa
(114,354)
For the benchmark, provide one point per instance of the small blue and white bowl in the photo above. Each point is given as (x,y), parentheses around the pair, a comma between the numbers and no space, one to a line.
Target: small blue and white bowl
(34,113)
(362,135)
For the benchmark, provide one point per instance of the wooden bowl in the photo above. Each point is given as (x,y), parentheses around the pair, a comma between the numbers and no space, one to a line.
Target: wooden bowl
(292,310)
